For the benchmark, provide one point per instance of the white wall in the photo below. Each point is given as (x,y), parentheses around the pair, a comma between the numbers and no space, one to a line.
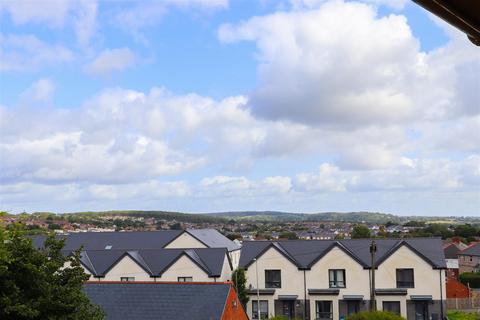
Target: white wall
(427,280)
(127,267)
(185,267)
(226,270)
(235,258)
(357,278)
(184,241)
(292,278)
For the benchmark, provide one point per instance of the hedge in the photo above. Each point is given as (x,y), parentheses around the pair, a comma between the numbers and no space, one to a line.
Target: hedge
(470,278)
(376,315)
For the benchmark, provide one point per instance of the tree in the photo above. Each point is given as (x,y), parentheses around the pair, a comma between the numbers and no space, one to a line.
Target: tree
(360,231)
(239,280)
(288,235)
(35,285)
(233,236)
(466,231)
(176,226)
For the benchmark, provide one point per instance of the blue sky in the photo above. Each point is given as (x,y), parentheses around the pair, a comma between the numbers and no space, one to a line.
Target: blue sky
(197,105)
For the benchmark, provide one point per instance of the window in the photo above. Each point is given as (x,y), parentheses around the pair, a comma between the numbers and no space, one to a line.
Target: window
(392,306)
(323,310)
(185,279)
(263,309)
(273,279)
(337,278)
(405,278)
(124,279)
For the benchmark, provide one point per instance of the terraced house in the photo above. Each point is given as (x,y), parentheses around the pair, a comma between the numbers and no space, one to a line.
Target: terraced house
(202,255)
(326,279)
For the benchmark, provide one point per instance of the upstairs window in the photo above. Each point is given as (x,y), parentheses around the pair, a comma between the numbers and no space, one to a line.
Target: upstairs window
(337,278)
(127,279)
(405,278)
(273,279)
(185,279)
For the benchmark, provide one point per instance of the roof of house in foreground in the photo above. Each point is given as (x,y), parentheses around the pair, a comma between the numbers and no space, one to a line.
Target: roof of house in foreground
(160,301)
(154,261)
(305,253)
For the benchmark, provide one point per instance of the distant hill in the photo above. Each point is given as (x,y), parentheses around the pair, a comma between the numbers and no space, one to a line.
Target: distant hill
(361,216)
(269,216)
(165,215)
(371,217)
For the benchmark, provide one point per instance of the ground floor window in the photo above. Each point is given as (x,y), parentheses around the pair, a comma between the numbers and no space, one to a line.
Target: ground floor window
(125,279)
(392,306)
(263,309)
(323,310)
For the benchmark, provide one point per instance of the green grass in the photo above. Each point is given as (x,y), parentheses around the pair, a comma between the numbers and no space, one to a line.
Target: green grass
(459,315)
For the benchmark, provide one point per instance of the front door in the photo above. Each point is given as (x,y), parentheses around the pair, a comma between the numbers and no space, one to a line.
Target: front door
(421,310)
(353,306)
(288,309)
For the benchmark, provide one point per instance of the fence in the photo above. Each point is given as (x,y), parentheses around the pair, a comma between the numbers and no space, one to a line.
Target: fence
(473,302)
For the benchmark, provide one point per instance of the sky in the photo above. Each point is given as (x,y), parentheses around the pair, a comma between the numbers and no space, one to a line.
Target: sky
(230,105)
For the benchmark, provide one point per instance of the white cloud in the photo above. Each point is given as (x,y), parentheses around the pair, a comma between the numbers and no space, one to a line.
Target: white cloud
(227,186)
(28,53)
(309,4)
(111,60)
(85,23)
(317,70)
(150,13)
(81,15)
(40,91)
(52,12)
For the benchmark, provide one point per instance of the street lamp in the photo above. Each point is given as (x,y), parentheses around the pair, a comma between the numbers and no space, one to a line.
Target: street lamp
(258,290)
(373,302)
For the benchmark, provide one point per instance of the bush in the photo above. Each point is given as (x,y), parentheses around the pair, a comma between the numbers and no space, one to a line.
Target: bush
(470,278)
(459,315)
(376,315)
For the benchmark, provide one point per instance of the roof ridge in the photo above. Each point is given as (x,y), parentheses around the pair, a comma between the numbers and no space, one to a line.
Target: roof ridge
(191,252)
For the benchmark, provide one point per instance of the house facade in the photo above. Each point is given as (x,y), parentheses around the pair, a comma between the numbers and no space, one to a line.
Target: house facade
(469,259)
(182,265)
(331,279)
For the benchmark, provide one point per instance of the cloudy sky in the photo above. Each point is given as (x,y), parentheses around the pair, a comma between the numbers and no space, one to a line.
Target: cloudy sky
(216,105)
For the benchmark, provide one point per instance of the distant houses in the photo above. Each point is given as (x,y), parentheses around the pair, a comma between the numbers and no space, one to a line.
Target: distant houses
(469,258)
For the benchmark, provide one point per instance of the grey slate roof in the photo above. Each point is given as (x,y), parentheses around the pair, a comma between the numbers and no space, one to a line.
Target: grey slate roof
(213,239)
(160,301)
(121,240)
(155,261)
(305,253)
(473,250)
(451,251)
(138,240)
